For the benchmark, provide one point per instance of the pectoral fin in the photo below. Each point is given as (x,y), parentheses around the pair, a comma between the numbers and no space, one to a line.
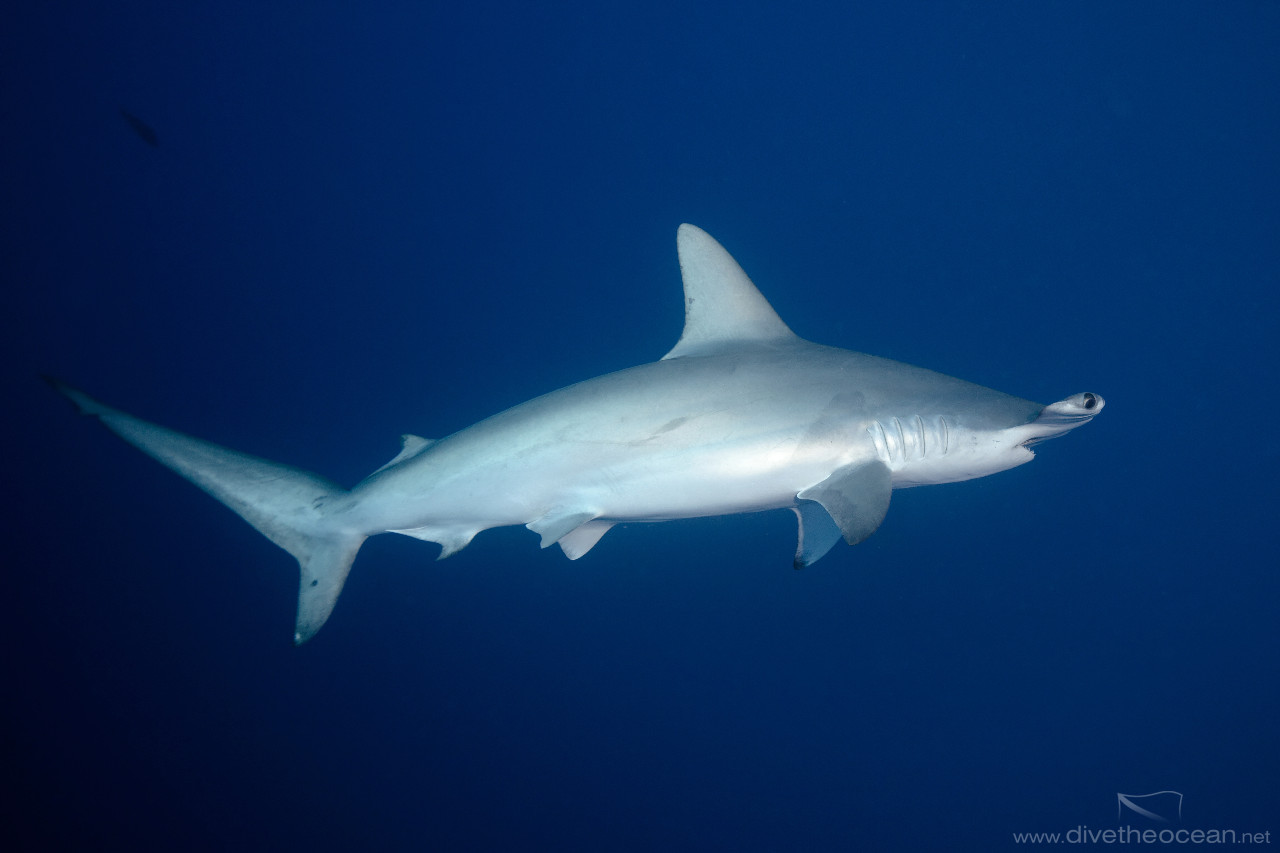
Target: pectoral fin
(817,533)
(855,496)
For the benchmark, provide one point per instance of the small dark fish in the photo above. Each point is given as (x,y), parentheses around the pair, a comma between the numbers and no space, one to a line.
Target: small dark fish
(140,127)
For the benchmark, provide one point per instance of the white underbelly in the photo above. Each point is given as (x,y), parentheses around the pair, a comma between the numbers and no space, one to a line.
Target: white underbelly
(691,485)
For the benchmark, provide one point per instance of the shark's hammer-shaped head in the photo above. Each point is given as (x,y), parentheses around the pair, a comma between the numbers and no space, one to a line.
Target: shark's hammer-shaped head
(949,447)
(1009,447)
(1061,417)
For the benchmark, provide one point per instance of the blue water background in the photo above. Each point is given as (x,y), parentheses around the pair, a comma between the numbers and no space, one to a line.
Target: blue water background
(368,219)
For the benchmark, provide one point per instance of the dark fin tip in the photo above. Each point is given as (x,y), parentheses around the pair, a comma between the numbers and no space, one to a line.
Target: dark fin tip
(61,387)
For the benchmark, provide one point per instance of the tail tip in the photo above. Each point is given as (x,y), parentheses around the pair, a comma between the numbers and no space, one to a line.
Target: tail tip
(54,382)
(84,404)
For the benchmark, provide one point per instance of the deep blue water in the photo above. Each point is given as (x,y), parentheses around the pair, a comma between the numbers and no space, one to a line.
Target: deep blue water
(403,218)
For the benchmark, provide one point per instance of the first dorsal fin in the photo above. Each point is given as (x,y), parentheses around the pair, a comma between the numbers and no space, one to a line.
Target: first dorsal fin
(722,308)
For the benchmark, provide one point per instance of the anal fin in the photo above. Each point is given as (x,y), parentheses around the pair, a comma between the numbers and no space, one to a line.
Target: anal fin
(450,539)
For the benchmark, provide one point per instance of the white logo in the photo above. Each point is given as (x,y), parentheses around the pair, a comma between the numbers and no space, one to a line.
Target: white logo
(1162,806)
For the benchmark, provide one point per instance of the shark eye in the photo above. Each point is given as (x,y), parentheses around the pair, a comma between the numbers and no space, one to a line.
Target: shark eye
(1090,401)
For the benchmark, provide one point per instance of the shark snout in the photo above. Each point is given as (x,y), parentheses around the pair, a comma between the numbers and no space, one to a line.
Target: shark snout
(1084,405)
(1063,416)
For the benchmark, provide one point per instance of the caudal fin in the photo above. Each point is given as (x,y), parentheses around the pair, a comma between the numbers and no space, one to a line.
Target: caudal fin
(293,508)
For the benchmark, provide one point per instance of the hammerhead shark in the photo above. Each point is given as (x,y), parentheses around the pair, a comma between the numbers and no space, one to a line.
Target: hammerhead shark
(742,415)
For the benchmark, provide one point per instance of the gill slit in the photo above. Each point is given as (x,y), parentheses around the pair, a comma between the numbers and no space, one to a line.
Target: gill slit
(884,442)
